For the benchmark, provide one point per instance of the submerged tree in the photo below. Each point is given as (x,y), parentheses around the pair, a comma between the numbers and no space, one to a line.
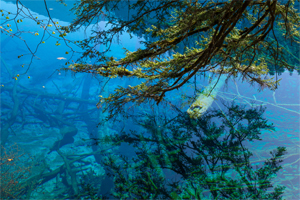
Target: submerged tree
(207,155)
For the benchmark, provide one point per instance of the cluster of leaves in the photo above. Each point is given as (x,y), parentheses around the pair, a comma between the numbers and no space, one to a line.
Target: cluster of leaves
(230,37)
(207,154)
(14,172)
(89,183)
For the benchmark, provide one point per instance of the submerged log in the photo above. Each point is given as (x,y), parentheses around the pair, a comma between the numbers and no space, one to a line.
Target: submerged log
(50,96)
(68,133)
(11,120)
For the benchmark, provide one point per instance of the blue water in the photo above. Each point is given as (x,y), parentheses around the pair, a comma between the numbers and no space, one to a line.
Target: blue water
(52,109)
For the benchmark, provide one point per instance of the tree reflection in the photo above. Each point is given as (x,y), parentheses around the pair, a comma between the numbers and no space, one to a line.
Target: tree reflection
(183,158)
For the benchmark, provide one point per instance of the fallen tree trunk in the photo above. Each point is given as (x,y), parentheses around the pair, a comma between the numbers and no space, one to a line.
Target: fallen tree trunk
(42,178)
(11,120)
(49,95)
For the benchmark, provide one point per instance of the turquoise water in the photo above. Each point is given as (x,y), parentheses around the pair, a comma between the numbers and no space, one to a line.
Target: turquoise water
(49,120)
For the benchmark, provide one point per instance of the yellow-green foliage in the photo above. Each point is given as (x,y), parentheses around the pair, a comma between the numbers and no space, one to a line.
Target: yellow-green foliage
(235,38)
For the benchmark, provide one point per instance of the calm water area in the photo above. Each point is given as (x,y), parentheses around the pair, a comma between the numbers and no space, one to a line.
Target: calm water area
(47,109)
